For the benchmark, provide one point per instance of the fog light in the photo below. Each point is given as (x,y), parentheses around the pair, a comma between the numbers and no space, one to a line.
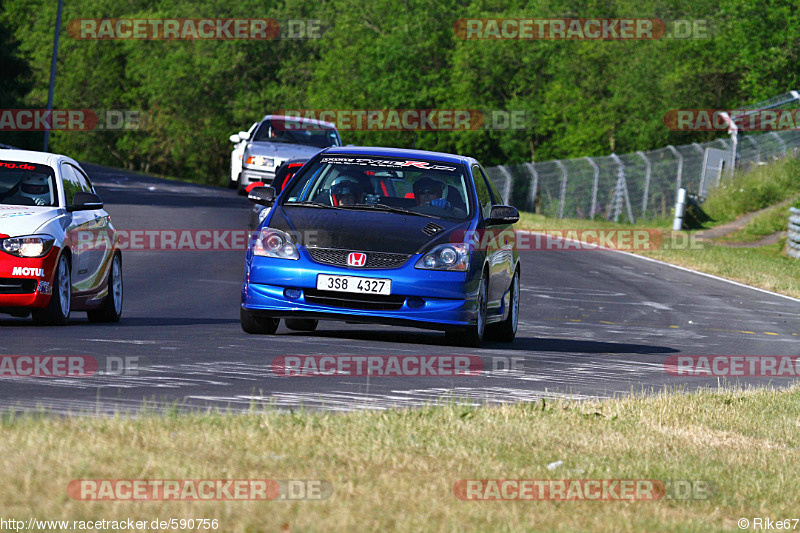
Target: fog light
(292,294)
(415,302)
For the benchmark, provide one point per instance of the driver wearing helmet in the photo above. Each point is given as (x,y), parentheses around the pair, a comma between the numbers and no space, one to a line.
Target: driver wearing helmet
(428,191)
(37,188)
(345,191)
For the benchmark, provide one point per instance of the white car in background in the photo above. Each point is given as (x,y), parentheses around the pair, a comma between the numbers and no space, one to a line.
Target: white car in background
(58,249)
(239,140)
(277,139)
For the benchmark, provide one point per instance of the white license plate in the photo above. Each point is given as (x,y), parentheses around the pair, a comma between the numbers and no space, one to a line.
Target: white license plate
(354,284)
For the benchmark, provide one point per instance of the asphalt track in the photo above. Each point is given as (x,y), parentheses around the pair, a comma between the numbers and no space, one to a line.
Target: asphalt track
(593,324)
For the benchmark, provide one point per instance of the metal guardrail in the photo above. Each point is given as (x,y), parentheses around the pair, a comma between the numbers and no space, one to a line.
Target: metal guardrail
(793,235)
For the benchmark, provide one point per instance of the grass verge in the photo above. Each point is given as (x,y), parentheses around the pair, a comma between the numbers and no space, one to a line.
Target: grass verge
(770,221)
(759,188)
(395,470)
(766,267)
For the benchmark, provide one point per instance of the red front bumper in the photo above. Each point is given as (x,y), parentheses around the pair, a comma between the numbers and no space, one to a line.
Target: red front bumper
(29,273)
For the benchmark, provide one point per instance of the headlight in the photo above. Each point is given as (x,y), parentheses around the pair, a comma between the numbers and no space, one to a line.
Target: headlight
(274,243)
(259,161)
(28,246)
(453,256)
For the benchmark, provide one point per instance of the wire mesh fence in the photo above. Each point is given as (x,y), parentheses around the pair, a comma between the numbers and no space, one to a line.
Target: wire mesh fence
(638,185)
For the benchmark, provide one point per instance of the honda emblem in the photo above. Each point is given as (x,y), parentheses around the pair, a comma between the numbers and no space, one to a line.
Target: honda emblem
(357,259)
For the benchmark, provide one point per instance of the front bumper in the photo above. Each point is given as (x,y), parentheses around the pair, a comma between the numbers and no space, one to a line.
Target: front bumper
(420,298)
(26,282)
(249,176)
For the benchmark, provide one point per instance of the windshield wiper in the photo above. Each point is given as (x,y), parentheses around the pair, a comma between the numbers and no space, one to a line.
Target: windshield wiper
(390,209)
(309,203)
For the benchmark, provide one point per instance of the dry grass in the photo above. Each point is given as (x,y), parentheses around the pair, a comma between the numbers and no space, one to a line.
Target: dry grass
(395,470)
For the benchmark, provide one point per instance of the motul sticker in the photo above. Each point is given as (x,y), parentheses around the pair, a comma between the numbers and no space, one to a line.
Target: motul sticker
(28,272)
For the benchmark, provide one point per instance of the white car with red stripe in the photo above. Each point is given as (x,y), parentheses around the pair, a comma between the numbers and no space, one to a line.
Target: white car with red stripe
(277,139)
(58,248)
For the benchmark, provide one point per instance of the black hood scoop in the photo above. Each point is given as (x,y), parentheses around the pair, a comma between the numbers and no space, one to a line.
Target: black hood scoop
(432,229)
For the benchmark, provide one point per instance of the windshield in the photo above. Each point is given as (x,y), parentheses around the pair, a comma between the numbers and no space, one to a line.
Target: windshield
(296,132)
(27,184)
(423,187)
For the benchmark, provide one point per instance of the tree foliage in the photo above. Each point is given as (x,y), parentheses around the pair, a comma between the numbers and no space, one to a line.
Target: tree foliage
(580,97)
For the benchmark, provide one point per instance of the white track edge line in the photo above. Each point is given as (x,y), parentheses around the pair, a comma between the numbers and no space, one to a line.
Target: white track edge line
(685,269)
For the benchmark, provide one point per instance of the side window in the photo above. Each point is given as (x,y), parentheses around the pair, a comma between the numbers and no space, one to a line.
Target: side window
(74,181)
(71,182)
(484,196)
(496,196)
(86,184)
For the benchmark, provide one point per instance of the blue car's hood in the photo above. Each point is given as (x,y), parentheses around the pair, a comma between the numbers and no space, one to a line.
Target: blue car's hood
(374,231)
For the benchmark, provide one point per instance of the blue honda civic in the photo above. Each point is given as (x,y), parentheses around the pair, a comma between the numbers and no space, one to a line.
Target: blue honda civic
(386,236)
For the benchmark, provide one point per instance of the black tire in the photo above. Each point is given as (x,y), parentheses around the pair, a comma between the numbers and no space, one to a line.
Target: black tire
(472,336)
(506,330)
(233,184)
(258,325)
(111,308)
(301,324)
(239,187)
(57,311)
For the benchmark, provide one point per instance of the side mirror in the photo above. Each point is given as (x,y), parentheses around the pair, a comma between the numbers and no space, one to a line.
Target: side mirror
(85,201)
(502,214)
(235,139)
(244,135)
(262,195)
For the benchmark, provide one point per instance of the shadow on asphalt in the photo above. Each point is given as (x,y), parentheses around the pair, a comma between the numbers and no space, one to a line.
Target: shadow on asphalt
(523,344)
(133,322)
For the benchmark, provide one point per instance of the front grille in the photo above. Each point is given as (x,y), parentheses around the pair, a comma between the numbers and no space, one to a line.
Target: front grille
(17,286)
(333,256)
(368,302)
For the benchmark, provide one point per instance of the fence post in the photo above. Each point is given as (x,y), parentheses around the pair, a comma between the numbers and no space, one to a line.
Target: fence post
(621,193)
(593,209)
(649,167)
(507,185)
(563,188)
(680,167)
(535,185)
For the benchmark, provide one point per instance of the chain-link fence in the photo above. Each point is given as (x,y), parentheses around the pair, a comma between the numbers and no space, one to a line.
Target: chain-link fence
(639,185)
